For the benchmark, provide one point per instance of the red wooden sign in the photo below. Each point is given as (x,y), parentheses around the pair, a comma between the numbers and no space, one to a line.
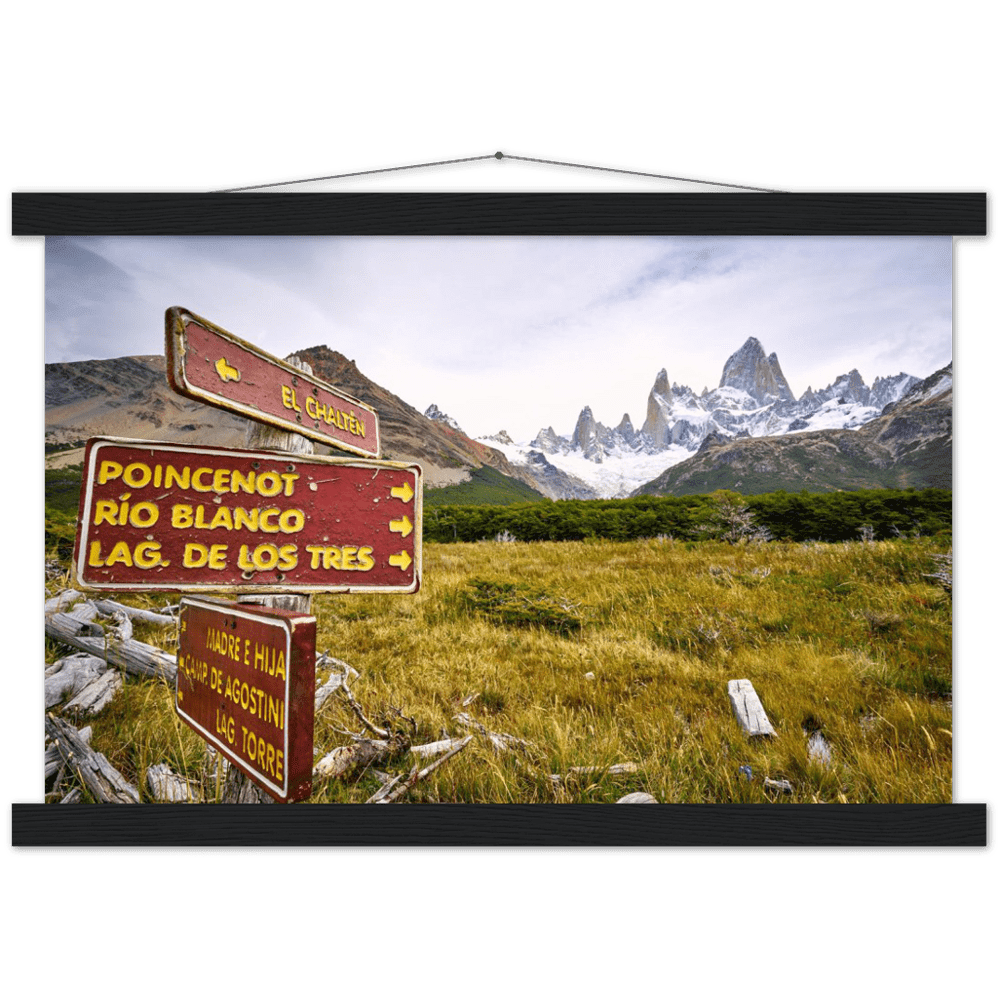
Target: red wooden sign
(157,516)
(207,363)
(246,679)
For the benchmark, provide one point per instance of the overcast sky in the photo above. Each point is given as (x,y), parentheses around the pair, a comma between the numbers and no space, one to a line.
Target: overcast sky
(520,333)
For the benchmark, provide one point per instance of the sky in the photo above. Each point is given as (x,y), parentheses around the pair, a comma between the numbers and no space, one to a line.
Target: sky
(520,333)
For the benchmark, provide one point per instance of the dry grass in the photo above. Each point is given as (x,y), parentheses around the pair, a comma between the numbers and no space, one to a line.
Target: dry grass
(599,653)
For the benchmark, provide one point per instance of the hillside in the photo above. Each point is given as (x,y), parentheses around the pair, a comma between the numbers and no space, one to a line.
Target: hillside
(130,397)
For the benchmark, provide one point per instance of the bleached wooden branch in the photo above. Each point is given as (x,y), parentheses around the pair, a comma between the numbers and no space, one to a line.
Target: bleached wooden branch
(166,786)
(345,692)
(93,769)
(134,657)
(70,675)
(335,681)
(95,696)
(139,614)
(499,741)
(343,762)
(53,759)
(612,770)
(62,602)
(416,775)
(749,711)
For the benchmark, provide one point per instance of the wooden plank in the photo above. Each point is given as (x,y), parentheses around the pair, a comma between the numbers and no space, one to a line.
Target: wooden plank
(748,710)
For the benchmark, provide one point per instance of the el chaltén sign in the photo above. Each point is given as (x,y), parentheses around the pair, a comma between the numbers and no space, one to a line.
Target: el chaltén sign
(156,516)
(211,365)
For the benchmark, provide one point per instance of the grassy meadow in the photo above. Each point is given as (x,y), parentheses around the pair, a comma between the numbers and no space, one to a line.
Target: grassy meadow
(600,653)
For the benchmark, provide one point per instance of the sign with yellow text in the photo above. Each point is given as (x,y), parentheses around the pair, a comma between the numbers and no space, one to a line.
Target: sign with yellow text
(209,364)
(156,516)
(246,679)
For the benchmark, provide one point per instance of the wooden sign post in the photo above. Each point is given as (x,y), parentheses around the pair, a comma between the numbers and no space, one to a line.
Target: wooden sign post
(269,525)
(246,684)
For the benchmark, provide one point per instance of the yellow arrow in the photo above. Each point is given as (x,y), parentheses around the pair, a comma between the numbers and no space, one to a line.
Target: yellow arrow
(403,526)
(401,559)
(226,371)
(404,492)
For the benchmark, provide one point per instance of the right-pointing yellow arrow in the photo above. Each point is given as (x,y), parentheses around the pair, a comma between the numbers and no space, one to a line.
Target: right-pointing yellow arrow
(404,492)
(403,526)
(401,559)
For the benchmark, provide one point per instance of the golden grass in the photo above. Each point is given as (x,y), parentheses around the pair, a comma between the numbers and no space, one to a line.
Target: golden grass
(602,652)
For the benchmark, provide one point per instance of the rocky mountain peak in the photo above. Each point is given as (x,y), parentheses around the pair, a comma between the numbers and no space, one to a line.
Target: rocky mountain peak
(433,413)
(750,370)
(659,407)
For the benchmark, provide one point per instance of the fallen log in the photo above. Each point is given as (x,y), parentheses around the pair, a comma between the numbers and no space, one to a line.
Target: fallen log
(104,783)
(138,658)
(62,601)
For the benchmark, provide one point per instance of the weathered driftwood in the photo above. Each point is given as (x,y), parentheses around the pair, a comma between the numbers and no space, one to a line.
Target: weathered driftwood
(63,601)
(345,762)
(95,696)
(636,798)
(749,711)
(333,683)
(104,783)
(73,796)
(774,785)
(138,658)
(612,770)
(53,759)
(70,675)
(400,790)
(166,786)
(138,614)
(345,692)
(85,611)
(499,741)
(430,749)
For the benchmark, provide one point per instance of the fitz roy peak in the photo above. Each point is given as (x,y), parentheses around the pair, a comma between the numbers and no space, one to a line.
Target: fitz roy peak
(753,399)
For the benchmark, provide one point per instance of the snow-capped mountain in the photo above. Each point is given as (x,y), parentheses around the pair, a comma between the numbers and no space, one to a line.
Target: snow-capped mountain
(433,413)
(753,399)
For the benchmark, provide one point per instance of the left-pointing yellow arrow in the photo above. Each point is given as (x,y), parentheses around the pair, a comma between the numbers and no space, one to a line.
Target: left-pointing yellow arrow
(401,559)
(403,526)
(226,371)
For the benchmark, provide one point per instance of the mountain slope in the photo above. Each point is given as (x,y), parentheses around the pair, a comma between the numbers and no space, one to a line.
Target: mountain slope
(911,445)
(130,397)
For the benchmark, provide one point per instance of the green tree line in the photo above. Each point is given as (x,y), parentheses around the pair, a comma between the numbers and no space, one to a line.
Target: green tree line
(828,517)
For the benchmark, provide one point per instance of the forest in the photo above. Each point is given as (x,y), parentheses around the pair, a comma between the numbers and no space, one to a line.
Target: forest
(798,517)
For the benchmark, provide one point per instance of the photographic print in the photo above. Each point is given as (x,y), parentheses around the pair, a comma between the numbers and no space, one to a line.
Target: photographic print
(687,510)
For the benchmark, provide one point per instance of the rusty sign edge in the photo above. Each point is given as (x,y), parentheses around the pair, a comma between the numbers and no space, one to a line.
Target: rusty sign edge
(176,329)
(79,549)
